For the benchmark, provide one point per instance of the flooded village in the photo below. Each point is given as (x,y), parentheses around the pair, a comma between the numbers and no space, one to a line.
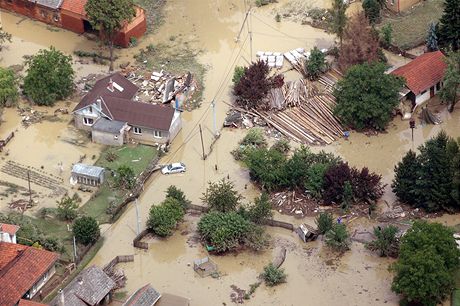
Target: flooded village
(86,201)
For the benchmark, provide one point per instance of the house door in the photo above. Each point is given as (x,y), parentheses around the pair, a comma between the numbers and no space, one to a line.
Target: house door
(432,92)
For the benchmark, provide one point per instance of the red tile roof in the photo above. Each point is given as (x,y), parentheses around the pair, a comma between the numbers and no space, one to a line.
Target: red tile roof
(9,228)
(29,303)
(74,6)
(20,268)
(423,72)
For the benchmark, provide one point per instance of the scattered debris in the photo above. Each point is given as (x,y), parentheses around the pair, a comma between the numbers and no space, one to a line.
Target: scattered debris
(205,267)
(21,205)
(272,59)
(306,232)
(5,141)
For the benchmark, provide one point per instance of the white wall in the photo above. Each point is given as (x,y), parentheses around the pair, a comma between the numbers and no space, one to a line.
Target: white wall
(422,97)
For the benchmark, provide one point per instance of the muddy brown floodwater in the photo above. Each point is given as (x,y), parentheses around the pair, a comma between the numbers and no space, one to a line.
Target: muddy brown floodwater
(315,276)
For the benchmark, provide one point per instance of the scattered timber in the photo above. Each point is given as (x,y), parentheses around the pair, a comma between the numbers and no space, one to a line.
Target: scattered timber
(5,141)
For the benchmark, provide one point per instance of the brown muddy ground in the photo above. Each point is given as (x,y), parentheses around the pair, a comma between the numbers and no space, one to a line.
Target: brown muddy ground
(315,277)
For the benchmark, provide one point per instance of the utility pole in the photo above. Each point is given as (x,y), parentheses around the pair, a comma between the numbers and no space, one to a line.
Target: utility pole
(74,251)
(202,143)
(412,127)
(138,222)
(250,32)
(213,105)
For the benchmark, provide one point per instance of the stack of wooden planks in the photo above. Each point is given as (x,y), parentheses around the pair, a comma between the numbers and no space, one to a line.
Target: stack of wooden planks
(311,122)
(329,79)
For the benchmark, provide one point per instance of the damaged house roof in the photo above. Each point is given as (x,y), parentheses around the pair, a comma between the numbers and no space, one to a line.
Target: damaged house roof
(89,288)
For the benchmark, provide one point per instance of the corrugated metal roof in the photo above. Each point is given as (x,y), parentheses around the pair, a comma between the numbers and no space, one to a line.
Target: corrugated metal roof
(87,170)
(54,4)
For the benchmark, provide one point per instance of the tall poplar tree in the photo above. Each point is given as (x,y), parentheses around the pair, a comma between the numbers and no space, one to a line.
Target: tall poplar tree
(449,26)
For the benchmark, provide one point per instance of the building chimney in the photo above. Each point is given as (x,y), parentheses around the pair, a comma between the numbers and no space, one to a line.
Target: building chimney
(110,86)
(99,104)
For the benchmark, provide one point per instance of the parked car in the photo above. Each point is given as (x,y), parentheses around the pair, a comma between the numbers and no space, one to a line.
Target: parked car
(174,168)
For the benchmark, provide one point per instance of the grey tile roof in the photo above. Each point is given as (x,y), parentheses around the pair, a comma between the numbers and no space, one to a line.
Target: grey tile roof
(145,296)
(108,126)
(87,170)
(88,288)
(53,4)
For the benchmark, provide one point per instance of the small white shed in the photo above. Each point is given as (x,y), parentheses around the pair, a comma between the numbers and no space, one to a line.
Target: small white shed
(87,175)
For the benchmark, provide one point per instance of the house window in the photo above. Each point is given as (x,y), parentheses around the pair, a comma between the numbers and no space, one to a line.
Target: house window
(137,130)
(157,134)
(88,121)
(438,86)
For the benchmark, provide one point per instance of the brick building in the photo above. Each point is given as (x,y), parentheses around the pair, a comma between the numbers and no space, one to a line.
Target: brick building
(71,15)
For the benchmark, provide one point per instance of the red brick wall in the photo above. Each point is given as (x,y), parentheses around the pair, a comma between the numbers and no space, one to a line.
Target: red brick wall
(123,38)
(31,10)
(72,22)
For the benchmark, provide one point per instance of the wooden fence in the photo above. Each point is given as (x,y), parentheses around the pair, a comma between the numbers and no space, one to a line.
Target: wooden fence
(276,223)
(117,260)
(137,243)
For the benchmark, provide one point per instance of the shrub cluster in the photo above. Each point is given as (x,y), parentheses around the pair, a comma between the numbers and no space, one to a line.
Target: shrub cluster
(163,218)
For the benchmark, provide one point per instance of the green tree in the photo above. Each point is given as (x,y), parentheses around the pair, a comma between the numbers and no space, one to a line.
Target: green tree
(49,77)
(449,25)
(109,17)
(387,35)
(386,242)
(125,177)
(338,18)
(237,74)
(67,208)
(324,222)
(315,64)
(434,184)
(338,238)
(273,276)
(8,87)
(432,38)
(222,196)
(405,180)
(261,210)
(268,167)
(86,230)
(177,194)
(163,219)
(427,261)
(369,108)
(315,179)
(451,82)
(372,10)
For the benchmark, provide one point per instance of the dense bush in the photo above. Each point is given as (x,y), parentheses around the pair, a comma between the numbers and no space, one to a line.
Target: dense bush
(267,167)
(237,74)
(125,177)
(315,65)
(386,242)
(86,230)
(177,194)
(224,231)
(431,179)
(261,210)
(428,259)
(67,208)
(163,219)
(8,87)
(338,237)
(365,186)
(315,179)
(324,222)
(273,276)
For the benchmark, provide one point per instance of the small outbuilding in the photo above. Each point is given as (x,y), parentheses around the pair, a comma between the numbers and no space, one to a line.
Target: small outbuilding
(423,77)
(306,232)
(204,266)
(109,132)
(145,296)
(87,175)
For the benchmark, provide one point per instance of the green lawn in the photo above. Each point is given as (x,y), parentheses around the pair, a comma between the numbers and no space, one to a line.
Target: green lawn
(410,29)
(137,157)
(456,298)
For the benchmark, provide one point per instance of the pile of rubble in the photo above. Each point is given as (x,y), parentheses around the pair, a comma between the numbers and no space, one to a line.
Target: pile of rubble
(294,203)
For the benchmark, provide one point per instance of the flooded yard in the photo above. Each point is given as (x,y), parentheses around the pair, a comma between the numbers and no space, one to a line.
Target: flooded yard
(315,276)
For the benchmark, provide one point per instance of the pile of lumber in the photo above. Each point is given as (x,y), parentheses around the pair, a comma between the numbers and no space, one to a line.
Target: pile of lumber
(311,122)
(329,79)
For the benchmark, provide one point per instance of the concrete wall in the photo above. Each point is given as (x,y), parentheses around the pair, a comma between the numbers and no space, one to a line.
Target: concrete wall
(30,9)
(107,138)
(176,126)
(79,123)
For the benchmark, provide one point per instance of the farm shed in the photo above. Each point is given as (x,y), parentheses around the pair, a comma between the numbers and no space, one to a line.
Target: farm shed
(87,175)
(109,132)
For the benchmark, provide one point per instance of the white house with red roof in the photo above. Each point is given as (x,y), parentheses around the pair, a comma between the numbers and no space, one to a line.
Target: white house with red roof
(423,77)
(8,232)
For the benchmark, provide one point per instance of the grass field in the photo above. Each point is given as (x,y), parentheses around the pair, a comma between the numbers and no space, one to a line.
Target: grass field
(410,29)
(137,157)
(456,298)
